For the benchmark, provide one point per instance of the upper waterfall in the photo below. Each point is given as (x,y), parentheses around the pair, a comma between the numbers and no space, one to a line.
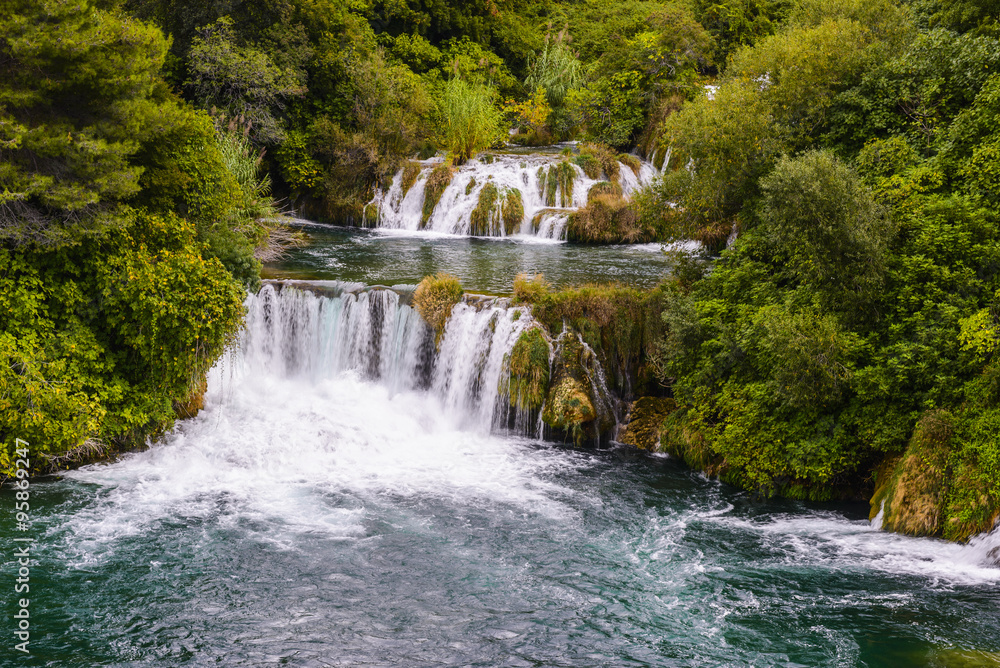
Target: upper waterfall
(498,195)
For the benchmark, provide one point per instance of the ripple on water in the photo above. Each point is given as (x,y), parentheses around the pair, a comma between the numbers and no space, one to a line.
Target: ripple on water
(330,521)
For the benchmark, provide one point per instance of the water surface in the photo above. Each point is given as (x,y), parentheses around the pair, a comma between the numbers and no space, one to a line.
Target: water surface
(382,257)
(321,511)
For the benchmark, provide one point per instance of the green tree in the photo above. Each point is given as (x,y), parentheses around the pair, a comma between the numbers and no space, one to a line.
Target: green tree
(737,23)
(828,228)
(240,81)
(77,86)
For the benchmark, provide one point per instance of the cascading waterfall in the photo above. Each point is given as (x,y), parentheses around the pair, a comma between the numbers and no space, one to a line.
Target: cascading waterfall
(473,202)
(376,335)
(290,332)
(474,354)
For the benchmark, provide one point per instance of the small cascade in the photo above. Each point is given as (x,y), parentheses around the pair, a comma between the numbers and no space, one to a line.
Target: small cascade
(504,195)
(474,355)
(879,517)
(657,161)
(609,408)
(291,332)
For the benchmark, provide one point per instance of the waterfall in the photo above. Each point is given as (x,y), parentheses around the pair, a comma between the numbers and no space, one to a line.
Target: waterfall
(506,195)
(290,332)
(318,331)
(375,334)
(474,353)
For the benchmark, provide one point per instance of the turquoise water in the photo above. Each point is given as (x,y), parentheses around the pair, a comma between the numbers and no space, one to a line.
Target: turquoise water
(483,265)
(321,516)
(534,555)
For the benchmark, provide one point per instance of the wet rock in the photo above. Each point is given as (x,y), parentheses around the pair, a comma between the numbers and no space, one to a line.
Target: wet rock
(569,405)
(645,419)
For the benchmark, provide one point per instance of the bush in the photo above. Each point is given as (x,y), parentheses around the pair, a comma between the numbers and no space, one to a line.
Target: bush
(99,340)
(434,299)
(530,290)
(608,219)
(822,219)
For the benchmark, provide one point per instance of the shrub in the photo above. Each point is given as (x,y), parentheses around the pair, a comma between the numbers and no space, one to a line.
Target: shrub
(434,298)
(607,219)
(437,183)
(530,290)
(98,340)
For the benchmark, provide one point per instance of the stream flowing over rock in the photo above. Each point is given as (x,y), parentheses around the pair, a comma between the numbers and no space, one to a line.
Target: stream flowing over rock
(326,328)
(503,195)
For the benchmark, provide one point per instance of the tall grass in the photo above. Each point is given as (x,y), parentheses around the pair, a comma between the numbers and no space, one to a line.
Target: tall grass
(556,69)
(257,215)
(471,119)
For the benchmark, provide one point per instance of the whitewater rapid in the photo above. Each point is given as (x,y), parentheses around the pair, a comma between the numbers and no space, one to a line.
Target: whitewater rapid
(325,509)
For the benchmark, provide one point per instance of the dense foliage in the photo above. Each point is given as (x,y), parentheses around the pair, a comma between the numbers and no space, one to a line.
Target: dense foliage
(853,150)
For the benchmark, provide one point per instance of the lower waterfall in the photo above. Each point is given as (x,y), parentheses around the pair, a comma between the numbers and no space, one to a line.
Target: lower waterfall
(377,335)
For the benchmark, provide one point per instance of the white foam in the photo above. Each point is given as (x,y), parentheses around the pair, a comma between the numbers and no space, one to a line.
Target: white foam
(828,540)
(321,416)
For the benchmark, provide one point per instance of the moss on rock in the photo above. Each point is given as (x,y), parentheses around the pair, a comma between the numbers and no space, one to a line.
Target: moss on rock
(512,210)
(630,161)
(590,165)
(194,402)
(645,420)
(434,299)
(496,207)
(602,156)
(556,187)
(607,219)
(569,405)
(914,490)
(482,216)
(411,170)
(529,370)
(604,188)
(437,183)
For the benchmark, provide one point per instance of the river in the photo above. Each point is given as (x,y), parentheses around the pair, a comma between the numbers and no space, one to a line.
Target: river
(350,497)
